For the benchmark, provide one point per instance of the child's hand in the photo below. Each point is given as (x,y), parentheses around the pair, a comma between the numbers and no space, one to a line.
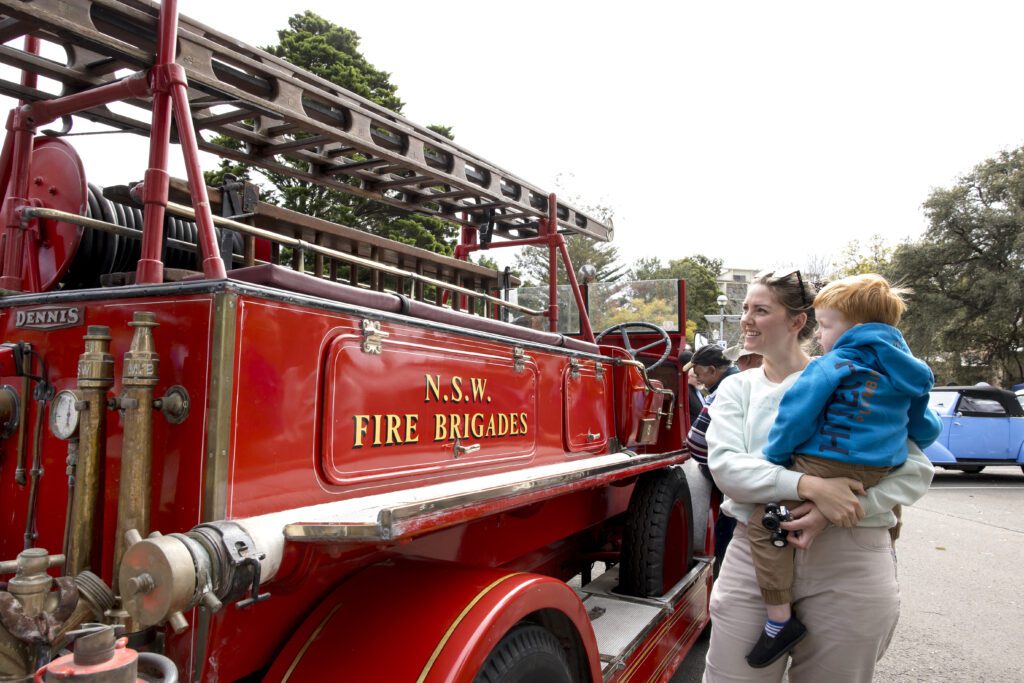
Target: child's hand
(807,523)
(836,498)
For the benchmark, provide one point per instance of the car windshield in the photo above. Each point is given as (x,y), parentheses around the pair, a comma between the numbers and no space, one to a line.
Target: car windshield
(942,401)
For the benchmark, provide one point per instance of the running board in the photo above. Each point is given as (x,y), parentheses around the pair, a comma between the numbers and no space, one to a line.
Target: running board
(647,634)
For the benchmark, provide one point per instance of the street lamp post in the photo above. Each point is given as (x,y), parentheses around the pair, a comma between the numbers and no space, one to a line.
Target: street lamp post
(722,301)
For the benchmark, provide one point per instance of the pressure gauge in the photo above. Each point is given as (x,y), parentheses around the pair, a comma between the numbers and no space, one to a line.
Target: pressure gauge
(64,415)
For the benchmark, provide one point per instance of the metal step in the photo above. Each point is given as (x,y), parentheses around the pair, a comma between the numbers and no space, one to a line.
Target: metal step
(622,623)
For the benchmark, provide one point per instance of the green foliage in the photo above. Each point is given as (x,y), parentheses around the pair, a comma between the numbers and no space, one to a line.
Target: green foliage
(700,273)
(486,262)
(871,256)
(966,316)
(332,52)
(532,262)
(652,310)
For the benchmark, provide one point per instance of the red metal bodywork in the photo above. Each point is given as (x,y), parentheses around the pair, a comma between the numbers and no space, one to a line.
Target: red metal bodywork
(297,400)
(297,374)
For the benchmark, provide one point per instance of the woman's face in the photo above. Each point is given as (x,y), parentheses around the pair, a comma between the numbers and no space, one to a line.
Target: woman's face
(767,326)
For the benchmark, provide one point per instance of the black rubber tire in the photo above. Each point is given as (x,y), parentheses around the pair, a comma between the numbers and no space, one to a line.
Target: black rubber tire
(653,517)
(971,469)
(527,654)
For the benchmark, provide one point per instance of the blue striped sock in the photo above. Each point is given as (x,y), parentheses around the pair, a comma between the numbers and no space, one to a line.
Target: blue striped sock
(772,628)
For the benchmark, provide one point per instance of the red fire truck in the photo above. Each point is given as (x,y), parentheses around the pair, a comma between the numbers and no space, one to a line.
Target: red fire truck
(240,443)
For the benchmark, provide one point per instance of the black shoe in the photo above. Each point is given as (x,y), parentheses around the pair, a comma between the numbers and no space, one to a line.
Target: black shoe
(767,649)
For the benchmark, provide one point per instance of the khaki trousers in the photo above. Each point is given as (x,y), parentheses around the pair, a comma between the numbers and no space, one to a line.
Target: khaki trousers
(774,566)
(845,592)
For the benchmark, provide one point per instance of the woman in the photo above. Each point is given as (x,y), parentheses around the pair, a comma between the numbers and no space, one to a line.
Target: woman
(845,589)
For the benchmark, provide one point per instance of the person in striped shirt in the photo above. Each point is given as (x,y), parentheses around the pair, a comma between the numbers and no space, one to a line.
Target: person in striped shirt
(710,366)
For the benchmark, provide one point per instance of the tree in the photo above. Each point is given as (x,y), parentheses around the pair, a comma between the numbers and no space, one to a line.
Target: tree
(872,256)
(532,262)
(966,316)
(332,52)
(701,275)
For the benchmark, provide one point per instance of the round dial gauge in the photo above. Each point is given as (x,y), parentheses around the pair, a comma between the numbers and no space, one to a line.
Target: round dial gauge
(64,415)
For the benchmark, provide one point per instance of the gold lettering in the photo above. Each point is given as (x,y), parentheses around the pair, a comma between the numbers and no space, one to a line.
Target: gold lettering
(440,427)
(478,387)
(491,431)
(433,387)
(361,427)
(502,424)
(513,429)
(456,389)
(522,418)
(376,430)
(478,425)
(456,427)
(394,436)
(411,421)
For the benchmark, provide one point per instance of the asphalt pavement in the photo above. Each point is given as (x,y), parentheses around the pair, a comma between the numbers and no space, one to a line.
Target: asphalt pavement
(961,573)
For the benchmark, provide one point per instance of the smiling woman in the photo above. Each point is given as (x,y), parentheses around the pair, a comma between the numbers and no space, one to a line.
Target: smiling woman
(858,561)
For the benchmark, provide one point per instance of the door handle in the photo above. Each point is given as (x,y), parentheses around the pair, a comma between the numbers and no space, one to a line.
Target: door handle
(956,424)
(460,449)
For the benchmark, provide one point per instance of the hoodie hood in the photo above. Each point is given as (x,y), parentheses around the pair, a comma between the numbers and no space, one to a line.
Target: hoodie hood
(908,375)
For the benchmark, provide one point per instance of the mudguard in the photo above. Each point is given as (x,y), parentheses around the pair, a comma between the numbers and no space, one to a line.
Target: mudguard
(427,621)
(939,454)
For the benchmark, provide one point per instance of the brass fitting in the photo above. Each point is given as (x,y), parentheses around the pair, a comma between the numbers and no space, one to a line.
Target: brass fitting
(31,585)
(140,374)
(95,377)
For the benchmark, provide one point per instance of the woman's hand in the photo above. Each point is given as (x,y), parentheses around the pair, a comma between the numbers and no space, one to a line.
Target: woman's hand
(836,498)
(807,523)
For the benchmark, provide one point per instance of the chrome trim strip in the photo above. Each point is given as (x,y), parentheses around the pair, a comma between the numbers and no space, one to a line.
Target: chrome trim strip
(392,522)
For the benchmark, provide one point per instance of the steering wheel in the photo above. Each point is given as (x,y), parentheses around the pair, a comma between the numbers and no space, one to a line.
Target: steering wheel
(625,328)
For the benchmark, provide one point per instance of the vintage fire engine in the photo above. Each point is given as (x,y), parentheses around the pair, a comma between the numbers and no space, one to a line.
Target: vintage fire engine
(262,446)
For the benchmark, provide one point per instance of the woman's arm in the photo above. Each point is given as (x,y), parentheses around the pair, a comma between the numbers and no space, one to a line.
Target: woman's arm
(903,486)
(743,476)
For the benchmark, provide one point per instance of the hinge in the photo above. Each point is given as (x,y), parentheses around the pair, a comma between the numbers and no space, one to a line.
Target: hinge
(574,368)
(373,337)
(519,359)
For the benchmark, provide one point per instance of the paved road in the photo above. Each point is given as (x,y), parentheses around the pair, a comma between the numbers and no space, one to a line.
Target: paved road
(961,561)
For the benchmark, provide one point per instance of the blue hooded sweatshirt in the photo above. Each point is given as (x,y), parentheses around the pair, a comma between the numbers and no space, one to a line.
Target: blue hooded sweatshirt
(858,403)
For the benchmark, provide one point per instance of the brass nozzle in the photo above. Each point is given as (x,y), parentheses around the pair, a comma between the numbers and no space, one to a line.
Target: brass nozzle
(141,362)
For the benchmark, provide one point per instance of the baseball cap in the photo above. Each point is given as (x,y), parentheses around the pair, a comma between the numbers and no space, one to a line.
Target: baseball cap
(710,354)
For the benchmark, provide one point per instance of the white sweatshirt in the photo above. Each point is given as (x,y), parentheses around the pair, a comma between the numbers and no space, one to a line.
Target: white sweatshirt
(741,417)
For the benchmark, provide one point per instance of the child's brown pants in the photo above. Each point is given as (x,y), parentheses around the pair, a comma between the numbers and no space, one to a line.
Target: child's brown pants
(774,566)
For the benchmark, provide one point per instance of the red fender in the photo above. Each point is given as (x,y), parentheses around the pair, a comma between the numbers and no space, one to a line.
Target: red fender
(425,621)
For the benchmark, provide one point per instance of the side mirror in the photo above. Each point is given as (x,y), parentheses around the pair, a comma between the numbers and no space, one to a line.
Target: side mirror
(959,414)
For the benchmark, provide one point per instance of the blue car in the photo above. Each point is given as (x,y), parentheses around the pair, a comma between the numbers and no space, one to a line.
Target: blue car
(981,426)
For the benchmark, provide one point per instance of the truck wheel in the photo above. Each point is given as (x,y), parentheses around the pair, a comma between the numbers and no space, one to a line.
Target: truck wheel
(528,653)
(657,545)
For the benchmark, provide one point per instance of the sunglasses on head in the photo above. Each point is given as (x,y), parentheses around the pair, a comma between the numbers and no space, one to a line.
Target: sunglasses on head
(780,276)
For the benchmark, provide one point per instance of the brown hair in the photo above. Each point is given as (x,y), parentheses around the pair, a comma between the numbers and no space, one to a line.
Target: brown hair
(867,298)
(794,294)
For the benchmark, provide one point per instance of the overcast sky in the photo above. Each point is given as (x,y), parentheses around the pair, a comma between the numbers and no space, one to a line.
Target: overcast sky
(758,132)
